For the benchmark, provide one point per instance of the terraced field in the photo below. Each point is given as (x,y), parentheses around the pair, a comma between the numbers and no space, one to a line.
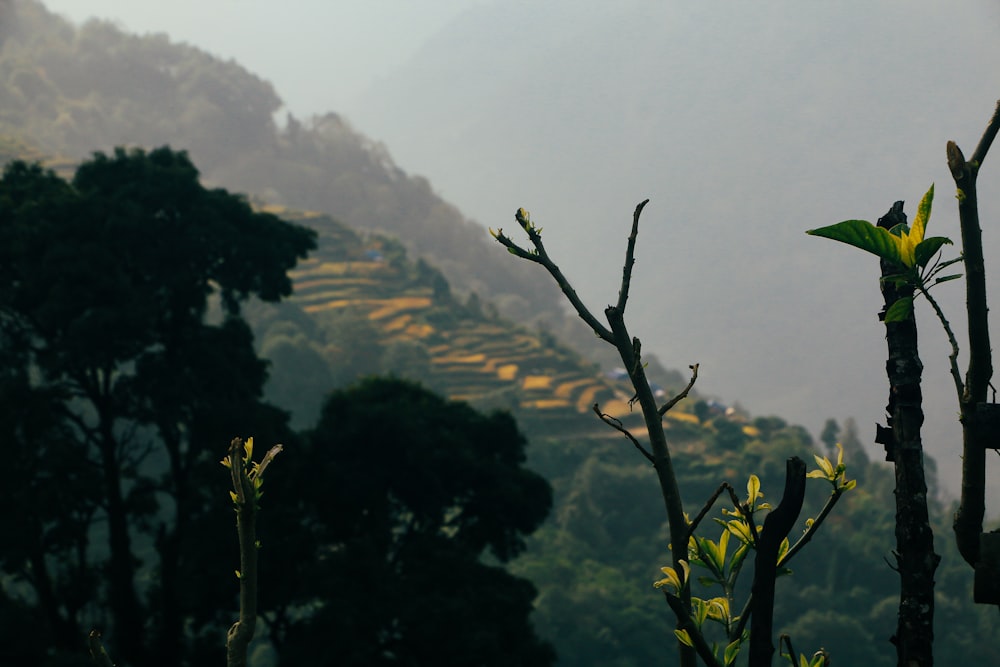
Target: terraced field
(474,357)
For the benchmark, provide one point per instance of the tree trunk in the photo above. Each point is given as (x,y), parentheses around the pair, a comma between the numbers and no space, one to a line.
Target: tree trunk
(915,557)
(968,522)
(777,525)
(128,630)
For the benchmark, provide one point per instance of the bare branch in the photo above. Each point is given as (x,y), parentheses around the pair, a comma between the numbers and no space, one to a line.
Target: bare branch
(681,396)
(987,139)
(811,531)
(540,256)
(968,519)
(707,507)
(956,375)
(617,425)
(630,257)
(515,249)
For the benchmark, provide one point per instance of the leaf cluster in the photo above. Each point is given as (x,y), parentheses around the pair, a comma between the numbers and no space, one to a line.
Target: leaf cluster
(723,567)
(904,246)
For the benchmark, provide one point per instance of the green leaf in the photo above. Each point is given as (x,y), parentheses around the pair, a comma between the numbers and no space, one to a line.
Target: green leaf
(740,529)
(738,557)
(944,279)
(753,490)
(729,656)
(866,236)
(954,260)
(671,580)
(782,549)
(714,556)
(699,611)
(927,248)
(825,466)
(718,610)
(923,217)
(900,311)
(683,637)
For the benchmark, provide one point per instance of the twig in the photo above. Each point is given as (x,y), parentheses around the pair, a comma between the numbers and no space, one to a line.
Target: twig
(956,375)
(811,531)
(987,139)
(788,644)
(246,480)
(540,256)
(630,257)
(617,425)
(707,507)
(681,396)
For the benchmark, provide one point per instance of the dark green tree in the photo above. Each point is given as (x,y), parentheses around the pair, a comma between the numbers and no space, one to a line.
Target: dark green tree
(106,284)
(398,493)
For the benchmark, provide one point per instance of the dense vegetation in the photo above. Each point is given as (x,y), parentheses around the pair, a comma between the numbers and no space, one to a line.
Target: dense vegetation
(363,306)
(126,361)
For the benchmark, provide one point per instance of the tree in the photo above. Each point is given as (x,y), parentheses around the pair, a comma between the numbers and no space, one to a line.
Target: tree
(769,540)
(106,287)
(911,265)
(398,493)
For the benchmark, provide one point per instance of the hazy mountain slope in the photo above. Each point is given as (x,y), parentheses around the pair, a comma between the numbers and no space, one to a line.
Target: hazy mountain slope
(71,90)
(745,125)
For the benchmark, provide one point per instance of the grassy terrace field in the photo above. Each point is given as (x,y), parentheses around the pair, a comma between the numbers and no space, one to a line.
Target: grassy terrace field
(475,357)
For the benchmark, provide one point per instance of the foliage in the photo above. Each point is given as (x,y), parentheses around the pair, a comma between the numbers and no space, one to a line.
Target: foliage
(724,568)
(905,247)
(248,480)
(115,371)
(399,493)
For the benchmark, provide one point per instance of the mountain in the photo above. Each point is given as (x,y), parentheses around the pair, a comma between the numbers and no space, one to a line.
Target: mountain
(744,125)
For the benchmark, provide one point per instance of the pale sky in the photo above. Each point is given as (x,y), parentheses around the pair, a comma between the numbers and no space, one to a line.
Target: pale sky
(344,44)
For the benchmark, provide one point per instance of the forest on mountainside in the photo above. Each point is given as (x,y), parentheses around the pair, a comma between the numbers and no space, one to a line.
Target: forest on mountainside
(68,91)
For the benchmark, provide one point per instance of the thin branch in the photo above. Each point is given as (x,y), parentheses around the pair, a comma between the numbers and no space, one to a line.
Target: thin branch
(811,531)
(617,425)
(707,507)
(956,374)
(540,256)
(245,498)
(987,139)
(630,257)
(787,641)
(744,619)
(681,396)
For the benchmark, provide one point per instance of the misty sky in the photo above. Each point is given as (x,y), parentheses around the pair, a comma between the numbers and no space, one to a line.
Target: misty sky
(744,123)
(321,54)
